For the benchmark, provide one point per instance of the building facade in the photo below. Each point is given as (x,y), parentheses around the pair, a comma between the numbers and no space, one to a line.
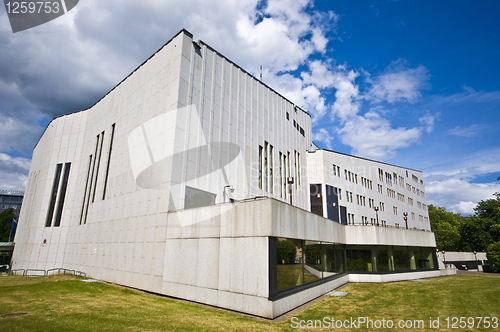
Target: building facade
(193,179)
(11,199)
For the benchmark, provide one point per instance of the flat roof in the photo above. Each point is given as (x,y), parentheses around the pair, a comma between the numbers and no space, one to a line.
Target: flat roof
(199,42)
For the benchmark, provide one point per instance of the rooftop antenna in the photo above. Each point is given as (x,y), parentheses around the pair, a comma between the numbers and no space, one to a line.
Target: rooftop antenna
(261,73)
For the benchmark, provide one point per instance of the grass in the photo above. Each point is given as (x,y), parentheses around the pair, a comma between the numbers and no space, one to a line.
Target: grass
(60,303)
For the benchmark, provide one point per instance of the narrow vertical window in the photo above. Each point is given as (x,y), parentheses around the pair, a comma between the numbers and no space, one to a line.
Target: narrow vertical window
(91,181)
(98,164)
(298,165)
(285,175)
(266,167)
(53,196)
(109,161)
(281,174)
(288,166)
(271,175)
(62,195)
(295,166)
(260,166)
(86,186)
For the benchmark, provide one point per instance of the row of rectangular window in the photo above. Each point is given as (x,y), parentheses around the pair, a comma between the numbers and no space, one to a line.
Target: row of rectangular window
(94,164)
(294,263)
(366,183)
(397,178)
(12,206)
(266,165)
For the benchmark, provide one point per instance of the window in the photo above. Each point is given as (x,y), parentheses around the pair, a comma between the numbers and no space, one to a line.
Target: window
(288,116)
(382,206)
(261,150)
(340,193)
(265,167)
(53,196)
(413,215)
(357,198)
(14,206)
(334,170)
(109,161)
(381,174)
(395,210)
(82,220)
(98,164)
(282,185)
(62,195)
(194,198)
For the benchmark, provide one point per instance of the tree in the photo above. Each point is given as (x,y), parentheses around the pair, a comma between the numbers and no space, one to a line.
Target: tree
(6,217)
(489,212)
(446,228)
(493,255)
(475,235)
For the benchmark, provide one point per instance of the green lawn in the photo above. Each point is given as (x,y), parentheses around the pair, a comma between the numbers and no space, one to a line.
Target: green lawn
(62,303)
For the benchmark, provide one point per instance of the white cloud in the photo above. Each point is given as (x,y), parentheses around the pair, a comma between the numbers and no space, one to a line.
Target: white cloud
(398,83)
(459,195)
(372,136)
(324,137)
(13,172)
(472,130)
(454,187)
(428,121)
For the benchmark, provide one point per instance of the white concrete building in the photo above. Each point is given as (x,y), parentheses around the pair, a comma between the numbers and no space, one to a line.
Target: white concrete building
(176,182)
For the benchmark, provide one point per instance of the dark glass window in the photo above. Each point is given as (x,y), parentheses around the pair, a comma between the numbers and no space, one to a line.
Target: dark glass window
(401,261)
(62,195)
(361,258)
(109,161)
(313,268)
(53,196)
(194,198)
(428,257)
(385,259)
(289,263)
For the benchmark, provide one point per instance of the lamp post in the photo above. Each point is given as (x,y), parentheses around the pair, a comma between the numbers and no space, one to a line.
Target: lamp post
(444,258)
(405,214)
(334,212)
(475,257)
(376,212)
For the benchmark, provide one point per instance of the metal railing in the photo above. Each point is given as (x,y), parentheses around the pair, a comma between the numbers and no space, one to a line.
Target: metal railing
(40,273)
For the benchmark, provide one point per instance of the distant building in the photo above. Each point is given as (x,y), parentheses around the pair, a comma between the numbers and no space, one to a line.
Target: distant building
(194,179)
(11,199)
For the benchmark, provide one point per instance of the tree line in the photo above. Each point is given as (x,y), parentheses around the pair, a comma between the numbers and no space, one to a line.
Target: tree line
(479,232)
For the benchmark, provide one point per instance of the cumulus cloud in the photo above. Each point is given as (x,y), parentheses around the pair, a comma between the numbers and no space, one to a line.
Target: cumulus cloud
(69,63)
(428,121)
(399,82)
(459,195)
(323,136)
(13,172)
(454,187)
(373,136)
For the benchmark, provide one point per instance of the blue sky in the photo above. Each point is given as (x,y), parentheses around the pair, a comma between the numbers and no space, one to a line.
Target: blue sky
(412,83)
